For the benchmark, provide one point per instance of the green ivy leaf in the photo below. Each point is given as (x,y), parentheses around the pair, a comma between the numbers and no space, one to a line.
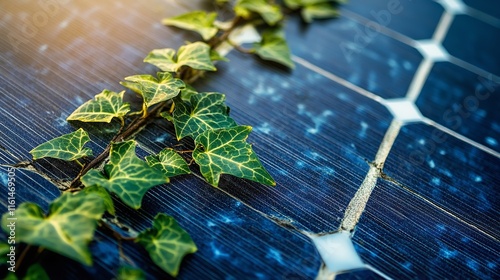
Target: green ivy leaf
(126,175)
(269,12)
(4,250)
(36,272)
(216,56)
(170,162)
(67,229)
(293,4)
(318,11)
(105,106)
(103,193)
(154,90)
(11,276)
(315,9)
(66,147)
(199,21)
(195,55)
(130,273)
(187,92)
(167,243)
(225,151)
(205,111)
(274,47)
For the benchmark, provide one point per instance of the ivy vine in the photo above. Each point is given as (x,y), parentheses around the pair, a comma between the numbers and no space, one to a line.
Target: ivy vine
(220,143)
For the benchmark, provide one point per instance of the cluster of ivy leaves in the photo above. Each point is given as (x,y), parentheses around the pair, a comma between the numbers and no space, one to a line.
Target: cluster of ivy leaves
(220,143)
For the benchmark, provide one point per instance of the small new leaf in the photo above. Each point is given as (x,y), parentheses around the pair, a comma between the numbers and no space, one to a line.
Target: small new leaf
(103,193)
(205,111)
(187,92)
(195,55)
(169,162)
(274,47)
(315,9)
(67,229)
(105,106)
(36,272)
(130,273)
(66,147)
(4,250)
(269,12)
(225,151)
(167,243)
(126,175)
(154,90)
(318,11)
(198,21)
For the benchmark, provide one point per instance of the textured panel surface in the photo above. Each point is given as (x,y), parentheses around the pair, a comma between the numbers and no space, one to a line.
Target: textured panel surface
(318,129)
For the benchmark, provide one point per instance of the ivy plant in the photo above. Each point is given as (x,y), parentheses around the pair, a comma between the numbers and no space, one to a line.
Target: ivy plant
(116,172)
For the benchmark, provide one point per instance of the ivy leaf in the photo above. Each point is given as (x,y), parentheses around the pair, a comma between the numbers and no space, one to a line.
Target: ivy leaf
(315,9)
(167,243)
(103,193)
(67,147)
(293,4)
(130,273)
(126,175)
(67,229)
(269,12)
(105,106)
(205,111)
(195,55)
(36,272)
(154,90)
(225,151)
(11,276)
(318,11)
(216,56)
(199,21)
(169,162)
(187,92)
(4,250)
(273,47)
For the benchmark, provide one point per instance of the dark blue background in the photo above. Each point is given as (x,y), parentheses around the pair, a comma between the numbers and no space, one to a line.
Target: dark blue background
(436,218)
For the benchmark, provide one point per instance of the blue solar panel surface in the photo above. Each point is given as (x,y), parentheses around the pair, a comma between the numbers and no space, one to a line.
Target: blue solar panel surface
(328,131)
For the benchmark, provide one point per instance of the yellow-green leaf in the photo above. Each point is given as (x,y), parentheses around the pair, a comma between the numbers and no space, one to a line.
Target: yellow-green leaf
(4,250)
(155,90)
(205,111)
(315,9)
(167,243)
(271,13)
(67,229)
(66,147)
(225,151)
(187,92)
(105,106)
(274,47)
(195,55)
(318,11)
(126,175)
(103,193)
(216,56)
(130,273)
(170,162)
(199,21)
(36,272)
